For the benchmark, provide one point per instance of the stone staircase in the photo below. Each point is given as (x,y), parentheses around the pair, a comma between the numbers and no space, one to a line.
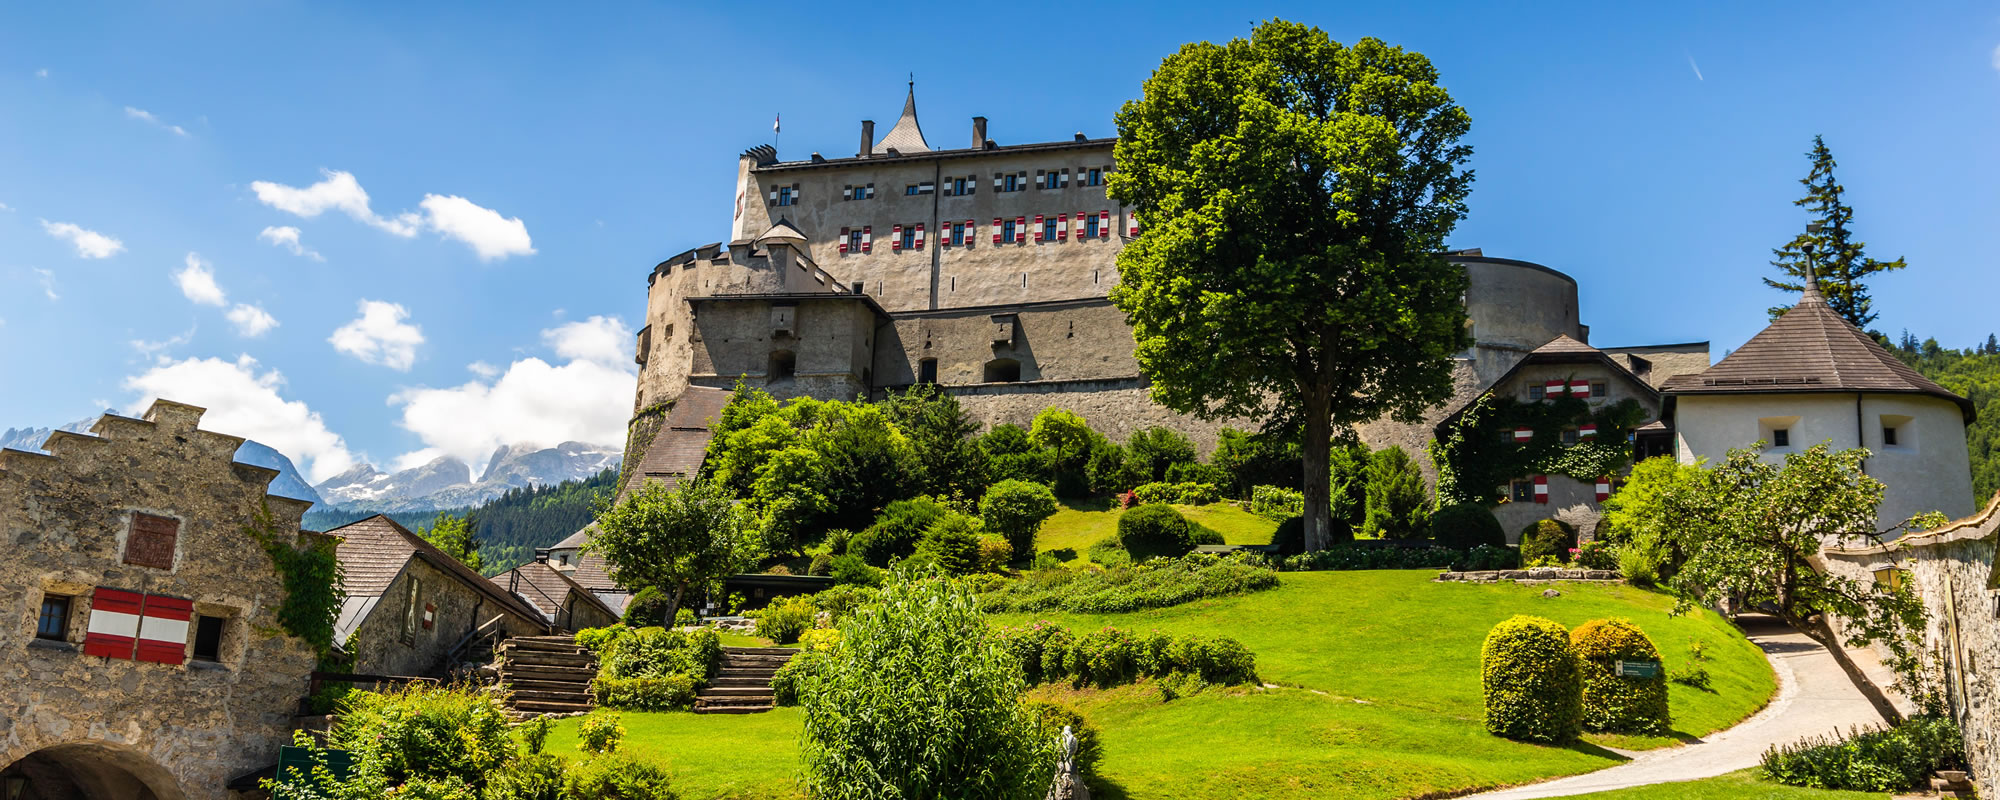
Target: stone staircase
(743,686)
(547,675)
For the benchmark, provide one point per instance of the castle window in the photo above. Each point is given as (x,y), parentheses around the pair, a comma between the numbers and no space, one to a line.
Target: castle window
(1003,370)
(208,638)
(919,188)
(927,371)
(1781,437)
(1535,393)
(1090,226)
(784,365)
(1897,432)
(854,240)
(1007,233)
(909,240)
(1013,182)
(1522,491)
(53,623)
(858,192)
(785,195)
(961,232)
(1889,436)
(1569,436)
(1091,177)
(960,187)
(1600,388)
(1049,229)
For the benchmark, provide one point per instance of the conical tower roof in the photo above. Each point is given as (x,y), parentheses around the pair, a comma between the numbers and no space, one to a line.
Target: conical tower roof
(906,137)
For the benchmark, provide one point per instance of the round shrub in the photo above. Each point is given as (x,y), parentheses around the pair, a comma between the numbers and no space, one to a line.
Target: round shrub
(1549,538)
(822,564)
(1532,687)
(616,776)
(1612,702)
(425,732)
(1051,718)
(600,732)
(994,553)
(896,532)
(1463,526)
(851,570)
(785,618)
(1154,530)
(648,607)
(1015,510)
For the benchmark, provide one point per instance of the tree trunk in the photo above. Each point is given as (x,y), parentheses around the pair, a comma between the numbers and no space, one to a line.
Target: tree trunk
(1316,451)
(674,606)
(1819,630)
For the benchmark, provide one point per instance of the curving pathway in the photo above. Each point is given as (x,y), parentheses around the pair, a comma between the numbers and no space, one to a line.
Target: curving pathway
(1814,697)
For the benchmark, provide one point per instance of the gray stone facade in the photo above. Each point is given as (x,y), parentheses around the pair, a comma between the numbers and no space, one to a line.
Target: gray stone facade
(84,523)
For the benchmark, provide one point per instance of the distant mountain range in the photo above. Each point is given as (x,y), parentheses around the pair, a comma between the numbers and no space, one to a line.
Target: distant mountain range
(443,483)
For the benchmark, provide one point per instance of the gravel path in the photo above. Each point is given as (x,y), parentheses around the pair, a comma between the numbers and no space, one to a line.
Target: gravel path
(1814,697)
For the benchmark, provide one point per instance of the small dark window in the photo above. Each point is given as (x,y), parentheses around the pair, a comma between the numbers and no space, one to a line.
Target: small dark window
(1889,436)
(783,366)
(54,621)
(927,371)
(1535,394)
(860,287)
(1524,491)
(1600,388)
(208,638)
(910,190)
(1781,437)
(1003,370)
(1569,436)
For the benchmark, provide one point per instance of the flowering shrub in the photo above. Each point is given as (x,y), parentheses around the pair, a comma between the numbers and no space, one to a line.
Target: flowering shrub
(1595,554)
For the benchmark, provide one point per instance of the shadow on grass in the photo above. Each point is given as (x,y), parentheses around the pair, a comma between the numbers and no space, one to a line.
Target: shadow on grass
(1064,554)
(1587,748)
(1089,503)
(1102,788)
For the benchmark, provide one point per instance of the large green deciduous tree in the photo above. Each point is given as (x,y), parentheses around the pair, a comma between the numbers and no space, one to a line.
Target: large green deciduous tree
(1295,195)
(1837,258)
(689,536)
(454,535)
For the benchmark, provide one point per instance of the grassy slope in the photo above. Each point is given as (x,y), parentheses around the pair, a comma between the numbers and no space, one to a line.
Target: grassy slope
(1080,524)
(1379,698)
(1735,786)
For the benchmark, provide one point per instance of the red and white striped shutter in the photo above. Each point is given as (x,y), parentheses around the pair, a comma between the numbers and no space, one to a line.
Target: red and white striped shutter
(843,240)
(1523,434)
(1062,227)
(920,236)
(895,238)
(1603,488)
(430,616)
(867,238)
(996,229)
(1586,432)
(113,628)
(1131,225)
(1038,229)
(163,629)
(1580,388)
(1104,224)
(1020,224)
(1553,388)
(970,230)
(1541,488)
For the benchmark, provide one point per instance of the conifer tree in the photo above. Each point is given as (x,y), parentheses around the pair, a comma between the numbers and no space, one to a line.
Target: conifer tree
(1841,267)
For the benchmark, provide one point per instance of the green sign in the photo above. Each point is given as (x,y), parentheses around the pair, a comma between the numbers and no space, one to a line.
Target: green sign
(1639,669)
(295,765)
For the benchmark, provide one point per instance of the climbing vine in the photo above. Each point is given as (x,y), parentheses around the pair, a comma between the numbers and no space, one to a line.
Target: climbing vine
(1473,459)
(310,573)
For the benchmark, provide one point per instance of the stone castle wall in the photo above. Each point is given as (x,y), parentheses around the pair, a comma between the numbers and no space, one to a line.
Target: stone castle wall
(181,731)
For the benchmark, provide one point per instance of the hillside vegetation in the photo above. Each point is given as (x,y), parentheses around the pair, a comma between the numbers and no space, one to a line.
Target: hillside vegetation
(1975,375)
(508,528)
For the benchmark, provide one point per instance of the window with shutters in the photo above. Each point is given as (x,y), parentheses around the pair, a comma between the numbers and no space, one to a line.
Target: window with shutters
(915,189)
(909,238)
(1091,177)
(1523,491)
(961,233)
(851,192)
(1090,226)
(208,638)
(53,623)
(854,241)
(1569,436)
(1013,182)
(412,608)
(151,542)
(1049,229)
(787,194)
(1007,233)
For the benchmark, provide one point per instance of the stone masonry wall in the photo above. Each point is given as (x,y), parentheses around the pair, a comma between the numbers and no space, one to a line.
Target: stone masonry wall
(381,649)
(182,730)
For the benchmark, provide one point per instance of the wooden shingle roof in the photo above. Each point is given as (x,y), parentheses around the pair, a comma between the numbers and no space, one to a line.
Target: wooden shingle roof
(546,588)
(373,551)
(1812,348)
(680,445)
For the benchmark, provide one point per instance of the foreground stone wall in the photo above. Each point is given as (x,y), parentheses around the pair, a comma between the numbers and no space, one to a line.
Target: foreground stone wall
(66,519)
(1952,570)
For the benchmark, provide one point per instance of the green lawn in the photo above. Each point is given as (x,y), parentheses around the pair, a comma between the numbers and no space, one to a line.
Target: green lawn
(1378,697)
(1082,523)
(1743,785)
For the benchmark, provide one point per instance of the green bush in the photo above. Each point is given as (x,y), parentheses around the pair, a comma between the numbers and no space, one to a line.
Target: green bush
(1103,658)
(1290,537)
(1275,502)
(952,543)
(919,700)
(816,646)
(1109,470)
(1395,498)
(1109,657)
(1596,554)
(1187,494)
(1152,531)
(600,732)
(652,652)
(616,776)
(1108,554)
(533,776)
(897,531)
(1251,460)
(1153,451)
(1067,443)
(685,617)
(596,639)
(1488,557)
(1016,510)
(994,554)
(1159,583)
(657,693)
(1464,526)
(1897,759)
(1612,702)
(1637,566)
(852,570)
(1050,719)
(785,618)
(1549,538)
(1532,684)
(1355,556)
(425,732)
(822,564)
(648,607)
(841,600)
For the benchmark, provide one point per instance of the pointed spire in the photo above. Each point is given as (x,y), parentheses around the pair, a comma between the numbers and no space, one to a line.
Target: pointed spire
(1811,295)
(906,136)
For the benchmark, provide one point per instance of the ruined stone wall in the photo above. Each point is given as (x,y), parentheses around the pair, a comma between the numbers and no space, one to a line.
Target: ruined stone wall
(459,609)
(184,730)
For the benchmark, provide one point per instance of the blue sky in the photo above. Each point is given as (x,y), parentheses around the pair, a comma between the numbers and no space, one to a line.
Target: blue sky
(524,165)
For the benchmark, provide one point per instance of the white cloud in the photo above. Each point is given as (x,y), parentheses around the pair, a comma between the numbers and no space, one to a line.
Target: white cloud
(534,402)
(150,349)
(251,321)
(380,336)
(288,237)
(153,119)
(414,459)
(5,207)
(339,191)
(197,282)
(490,235)
(89,243)
(241,401)
(603,340)
(483,369)
(48,279)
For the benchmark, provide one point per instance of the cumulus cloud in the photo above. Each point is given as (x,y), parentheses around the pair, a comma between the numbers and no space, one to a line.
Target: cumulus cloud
(531,402)
(287,237)
(197,282)
(251,321)
(380,336)
(151,348)
(483,369)
(244,401)
(89,243)
(153,119)
(48,279)
(338,191)
(490,235)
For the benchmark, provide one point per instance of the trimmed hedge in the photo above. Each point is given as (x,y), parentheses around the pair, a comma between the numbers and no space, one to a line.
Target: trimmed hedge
(1612,702)
(1154,584)
(1187,494)
(1352,556)
(1464,526)
(1532,684)
(1108,657)
(659,693)
(1549,538)
(1277,502)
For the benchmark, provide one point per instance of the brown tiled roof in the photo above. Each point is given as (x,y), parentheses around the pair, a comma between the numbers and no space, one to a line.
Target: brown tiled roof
(573,541)
(682,441)
(1812,348)
(1564,344)
(594,574)
(545,588)
(374,550)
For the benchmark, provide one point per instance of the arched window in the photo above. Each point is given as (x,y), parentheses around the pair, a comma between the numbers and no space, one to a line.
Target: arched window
(1003,370)
(783,366)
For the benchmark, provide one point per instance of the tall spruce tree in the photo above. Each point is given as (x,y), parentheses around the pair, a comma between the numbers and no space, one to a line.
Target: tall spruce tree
(1837,258)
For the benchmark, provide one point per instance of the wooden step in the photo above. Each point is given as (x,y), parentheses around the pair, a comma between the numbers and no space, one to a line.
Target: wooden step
(536,672)
(519,695)
(541,645)
(701,709)
(723,681)
(752,674)
(551,686)
(550,658)
(548,707)
(787,652)
(772,663)
(735,691)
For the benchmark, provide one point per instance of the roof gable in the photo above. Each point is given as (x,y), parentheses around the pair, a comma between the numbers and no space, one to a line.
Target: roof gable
(374,551)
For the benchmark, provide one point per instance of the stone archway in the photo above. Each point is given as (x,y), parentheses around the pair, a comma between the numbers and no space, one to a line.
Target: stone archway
(89,771)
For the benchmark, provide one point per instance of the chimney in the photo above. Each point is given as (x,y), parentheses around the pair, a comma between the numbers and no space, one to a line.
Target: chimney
(867,138)
(978,133)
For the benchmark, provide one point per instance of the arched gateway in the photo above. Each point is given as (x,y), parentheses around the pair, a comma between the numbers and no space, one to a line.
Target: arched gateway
(88,771)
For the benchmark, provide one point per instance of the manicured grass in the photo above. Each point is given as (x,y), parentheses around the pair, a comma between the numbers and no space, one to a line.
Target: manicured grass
(1082,523)
(747,640)
(1229,519)
(711,756)
(1743,785)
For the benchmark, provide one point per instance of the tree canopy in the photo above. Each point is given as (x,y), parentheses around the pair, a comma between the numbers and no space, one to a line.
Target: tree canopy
(689,536)
(1295,195)
(1841,266)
